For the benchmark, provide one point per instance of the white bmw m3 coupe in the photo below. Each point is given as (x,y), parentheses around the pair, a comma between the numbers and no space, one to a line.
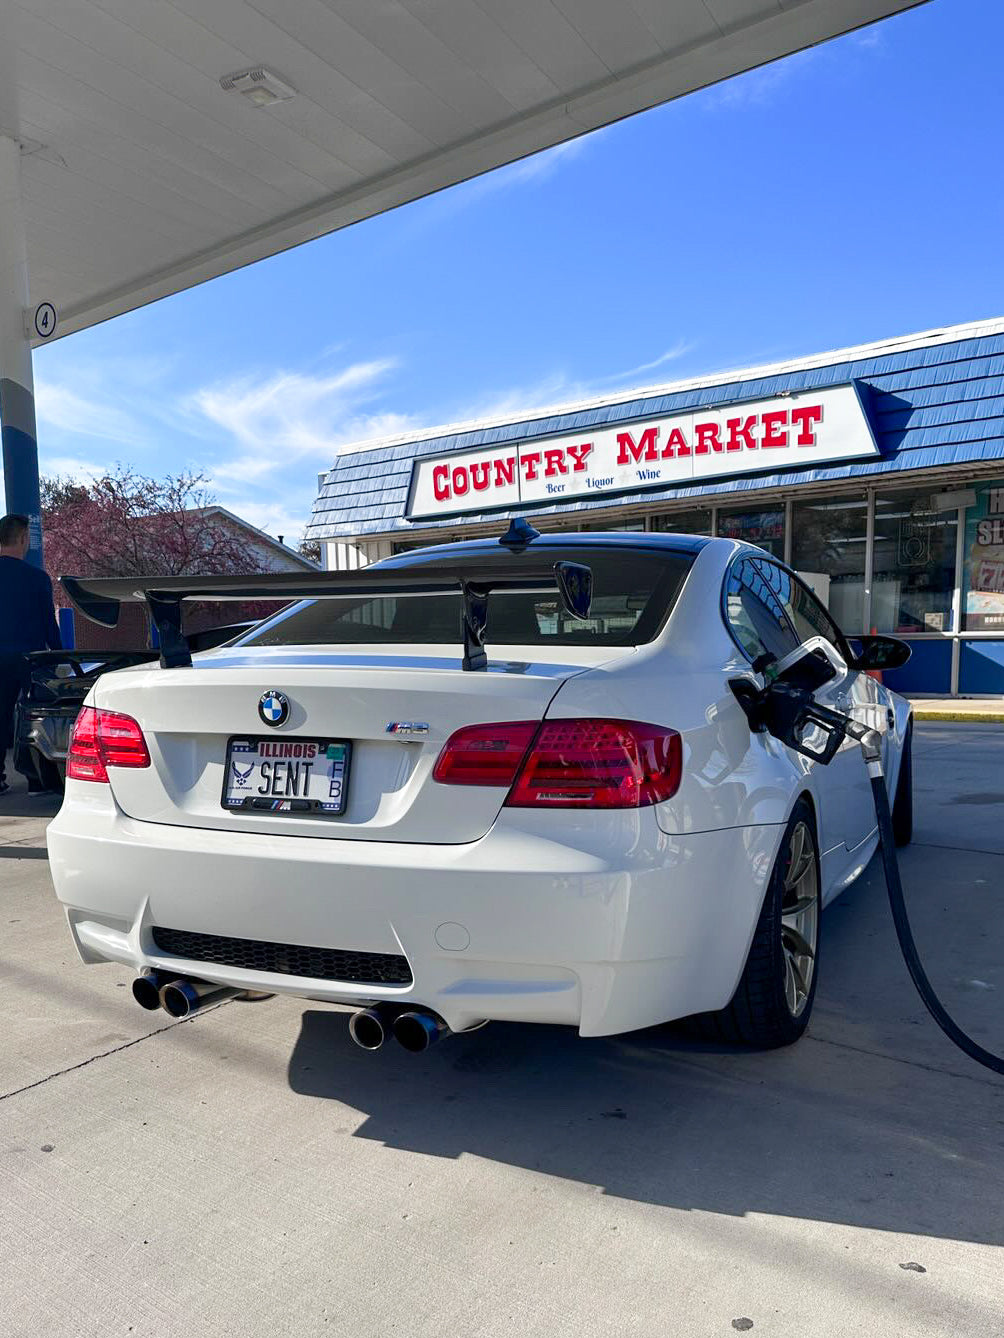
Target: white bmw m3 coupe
(525,779)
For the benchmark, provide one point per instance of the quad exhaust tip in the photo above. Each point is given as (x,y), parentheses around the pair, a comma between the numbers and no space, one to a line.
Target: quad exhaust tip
(370,1027)
(177,995)
(415,1029)
(146,989)
(182,997)
(418,1030)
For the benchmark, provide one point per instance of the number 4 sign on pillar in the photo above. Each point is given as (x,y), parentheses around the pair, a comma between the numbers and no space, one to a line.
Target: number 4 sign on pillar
(42,322)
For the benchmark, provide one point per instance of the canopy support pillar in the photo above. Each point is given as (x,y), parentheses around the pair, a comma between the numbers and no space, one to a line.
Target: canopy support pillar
(17,387)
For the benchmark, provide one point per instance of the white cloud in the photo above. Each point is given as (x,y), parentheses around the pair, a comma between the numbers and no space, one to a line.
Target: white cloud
(758,87)
(867,38)
(678,350)
(533,170)
(516,400)
(761,86)
(72,466)
(290,416)
(60,407)
(260,439)
(273,435)
(556,389)
(539,166)
(124,403)
(274,517)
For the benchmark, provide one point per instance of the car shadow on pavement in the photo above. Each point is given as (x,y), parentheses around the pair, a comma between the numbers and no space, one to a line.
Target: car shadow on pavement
(23,852)
(18,803)
(871,1120)
(815,1132)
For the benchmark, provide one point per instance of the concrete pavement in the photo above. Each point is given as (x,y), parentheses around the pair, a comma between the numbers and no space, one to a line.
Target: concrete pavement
(250,1172)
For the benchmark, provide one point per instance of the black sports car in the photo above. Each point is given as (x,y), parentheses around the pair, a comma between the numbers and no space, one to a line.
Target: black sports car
(58,682)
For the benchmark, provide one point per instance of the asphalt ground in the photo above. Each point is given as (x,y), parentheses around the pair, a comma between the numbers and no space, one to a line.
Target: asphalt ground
(250,1172)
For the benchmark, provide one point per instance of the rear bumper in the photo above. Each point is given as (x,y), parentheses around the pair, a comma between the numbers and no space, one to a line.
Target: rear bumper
(48,732)
(616,926)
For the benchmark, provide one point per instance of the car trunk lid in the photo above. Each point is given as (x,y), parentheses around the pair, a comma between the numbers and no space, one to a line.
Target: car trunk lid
(188,716)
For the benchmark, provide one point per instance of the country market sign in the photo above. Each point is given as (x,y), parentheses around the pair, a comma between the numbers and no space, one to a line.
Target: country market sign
(787,432)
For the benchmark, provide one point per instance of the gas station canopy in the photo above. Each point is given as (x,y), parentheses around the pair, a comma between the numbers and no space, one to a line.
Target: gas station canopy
(163,144)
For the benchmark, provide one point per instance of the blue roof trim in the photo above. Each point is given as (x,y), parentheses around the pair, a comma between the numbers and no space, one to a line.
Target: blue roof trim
(931,406)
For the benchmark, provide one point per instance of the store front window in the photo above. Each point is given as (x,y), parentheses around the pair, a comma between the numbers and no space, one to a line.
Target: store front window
(983,571)
(695,521)
(563,525)
(829,541)
(635,526)
(763,528)
(914,566)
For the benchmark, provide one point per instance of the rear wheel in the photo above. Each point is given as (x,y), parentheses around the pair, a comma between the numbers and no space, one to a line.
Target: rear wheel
(772,1004)
(902,808)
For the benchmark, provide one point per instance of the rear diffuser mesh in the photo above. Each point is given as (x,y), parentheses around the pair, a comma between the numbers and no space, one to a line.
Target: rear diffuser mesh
(287,959)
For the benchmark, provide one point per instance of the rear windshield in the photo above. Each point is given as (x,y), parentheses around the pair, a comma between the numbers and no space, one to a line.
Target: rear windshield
(633,593)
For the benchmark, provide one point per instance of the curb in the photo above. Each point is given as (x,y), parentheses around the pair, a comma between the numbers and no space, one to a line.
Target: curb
(960,717)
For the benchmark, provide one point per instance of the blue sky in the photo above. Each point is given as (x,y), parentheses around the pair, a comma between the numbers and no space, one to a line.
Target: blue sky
(848,193)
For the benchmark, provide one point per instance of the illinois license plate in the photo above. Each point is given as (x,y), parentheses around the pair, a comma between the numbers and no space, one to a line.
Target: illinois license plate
(287,776)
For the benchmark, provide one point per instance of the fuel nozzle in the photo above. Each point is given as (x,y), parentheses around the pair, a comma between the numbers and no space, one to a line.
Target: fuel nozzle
(790,712)
(870,741)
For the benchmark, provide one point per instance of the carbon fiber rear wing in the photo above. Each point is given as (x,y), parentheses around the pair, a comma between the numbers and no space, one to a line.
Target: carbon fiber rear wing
(100,598)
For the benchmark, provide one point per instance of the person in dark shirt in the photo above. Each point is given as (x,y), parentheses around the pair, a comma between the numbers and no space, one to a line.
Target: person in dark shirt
(27,622)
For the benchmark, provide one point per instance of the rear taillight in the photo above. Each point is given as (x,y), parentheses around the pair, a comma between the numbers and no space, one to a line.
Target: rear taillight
(571,763)
(599,764)
(485,754)
(83,761)
(102,739)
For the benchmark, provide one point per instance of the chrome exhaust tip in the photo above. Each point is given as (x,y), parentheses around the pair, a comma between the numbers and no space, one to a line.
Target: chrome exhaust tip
(370,1027)
(416,1031)
(182,997)
(146,989)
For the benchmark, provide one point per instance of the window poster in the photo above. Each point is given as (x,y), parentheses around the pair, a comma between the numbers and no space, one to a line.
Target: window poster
(984,568)
(752,527)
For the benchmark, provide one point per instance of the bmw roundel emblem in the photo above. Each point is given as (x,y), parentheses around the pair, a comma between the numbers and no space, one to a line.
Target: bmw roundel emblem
(273,707)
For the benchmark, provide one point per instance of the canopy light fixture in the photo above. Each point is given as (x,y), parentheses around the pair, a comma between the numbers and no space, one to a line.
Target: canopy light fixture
(260,86)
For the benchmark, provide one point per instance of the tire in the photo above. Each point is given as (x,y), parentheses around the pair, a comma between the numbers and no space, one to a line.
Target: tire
(773,1002)
(902,807)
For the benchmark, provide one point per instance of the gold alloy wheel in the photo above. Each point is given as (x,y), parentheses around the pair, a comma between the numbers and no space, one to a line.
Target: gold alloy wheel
(800,918)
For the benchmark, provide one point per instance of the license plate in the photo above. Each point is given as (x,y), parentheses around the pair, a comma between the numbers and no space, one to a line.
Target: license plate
(287,776)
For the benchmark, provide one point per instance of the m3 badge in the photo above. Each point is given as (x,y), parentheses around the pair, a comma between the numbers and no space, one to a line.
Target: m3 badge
(408,729)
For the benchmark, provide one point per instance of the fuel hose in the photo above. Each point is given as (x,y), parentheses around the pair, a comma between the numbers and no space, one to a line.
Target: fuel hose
(904,933)
(788,710)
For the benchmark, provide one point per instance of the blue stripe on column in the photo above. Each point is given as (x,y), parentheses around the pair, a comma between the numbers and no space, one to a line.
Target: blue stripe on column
(20,476)
(67,632)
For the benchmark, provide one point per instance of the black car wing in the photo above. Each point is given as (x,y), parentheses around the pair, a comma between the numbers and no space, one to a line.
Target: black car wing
(100,598)
(81,661)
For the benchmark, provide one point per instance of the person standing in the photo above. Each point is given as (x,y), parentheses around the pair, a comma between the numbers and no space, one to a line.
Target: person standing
(27,623)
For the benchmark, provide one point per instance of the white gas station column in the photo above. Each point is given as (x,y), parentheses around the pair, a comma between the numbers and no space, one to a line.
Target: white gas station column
(17,390)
